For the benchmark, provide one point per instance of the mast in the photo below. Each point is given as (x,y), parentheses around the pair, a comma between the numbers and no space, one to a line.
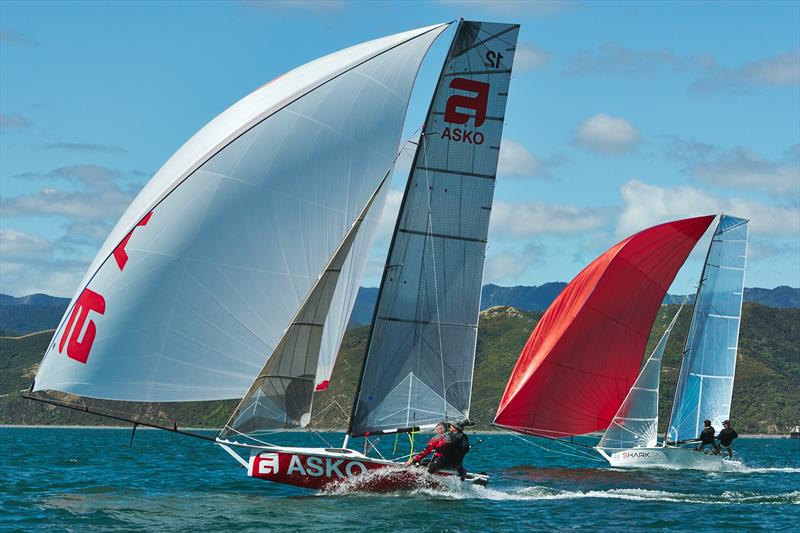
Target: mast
(686,347)
(387,266)
(705,384)
(419,359)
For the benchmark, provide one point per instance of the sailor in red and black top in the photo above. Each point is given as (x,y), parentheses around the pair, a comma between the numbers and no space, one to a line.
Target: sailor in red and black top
(435,445)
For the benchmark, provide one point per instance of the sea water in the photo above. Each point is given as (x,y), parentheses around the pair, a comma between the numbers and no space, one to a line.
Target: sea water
(91,479)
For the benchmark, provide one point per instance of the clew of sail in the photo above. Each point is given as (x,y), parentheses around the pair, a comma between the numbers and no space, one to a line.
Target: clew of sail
(582,358)
(202,275)
(705,383)
(636,423)
(421,349)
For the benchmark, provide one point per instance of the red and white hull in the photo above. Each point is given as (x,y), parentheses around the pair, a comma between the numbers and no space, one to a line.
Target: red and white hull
(327,468)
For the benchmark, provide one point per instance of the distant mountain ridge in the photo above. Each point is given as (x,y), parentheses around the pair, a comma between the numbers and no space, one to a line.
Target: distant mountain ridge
(27,314)
(538,298)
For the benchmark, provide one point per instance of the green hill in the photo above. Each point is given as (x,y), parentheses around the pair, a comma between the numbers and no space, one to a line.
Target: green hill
(766,396)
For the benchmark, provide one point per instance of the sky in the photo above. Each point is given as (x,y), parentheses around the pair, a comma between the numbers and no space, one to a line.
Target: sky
(621,115)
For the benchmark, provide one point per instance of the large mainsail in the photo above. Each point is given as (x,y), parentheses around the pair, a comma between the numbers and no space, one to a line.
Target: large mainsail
(199,280)
(636,422)
(420,355)
(705,384)
(582,358)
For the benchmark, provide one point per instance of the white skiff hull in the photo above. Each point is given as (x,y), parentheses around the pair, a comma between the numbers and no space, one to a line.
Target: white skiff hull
(660,457)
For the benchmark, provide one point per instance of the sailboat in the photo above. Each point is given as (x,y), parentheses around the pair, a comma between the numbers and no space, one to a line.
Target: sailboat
(578,371)
(233,273)
(705,382)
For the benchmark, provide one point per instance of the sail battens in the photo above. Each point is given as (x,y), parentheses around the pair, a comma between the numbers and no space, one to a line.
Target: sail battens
(458,172)
(427,322)
(421,345)
(705,382)
(442,236)
(496,119)
(478,72)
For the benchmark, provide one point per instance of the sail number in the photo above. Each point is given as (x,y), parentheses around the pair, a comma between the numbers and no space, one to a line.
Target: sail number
(493,59)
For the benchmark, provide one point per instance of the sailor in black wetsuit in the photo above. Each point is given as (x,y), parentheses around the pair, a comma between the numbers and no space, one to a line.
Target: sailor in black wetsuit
(454,448)
(706,437)
(726,437)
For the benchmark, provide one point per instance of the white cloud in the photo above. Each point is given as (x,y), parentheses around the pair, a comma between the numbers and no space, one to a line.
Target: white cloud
(14,121)
(614,58)
(606,135)
(781,70)
(15,245)
(528,56)
(28,265)
(103,198)
(81,205)
(647,205)
(516,160)
(538,218)
(738,167)
(742,167)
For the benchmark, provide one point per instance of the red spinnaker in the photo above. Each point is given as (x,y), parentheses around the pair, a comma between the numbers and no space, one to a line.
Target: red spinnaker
(586,350)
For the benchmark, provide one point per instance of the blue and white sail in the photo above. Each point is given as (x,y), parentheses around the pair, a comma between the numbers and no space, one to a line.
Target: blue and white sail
(705,384)
(636,423)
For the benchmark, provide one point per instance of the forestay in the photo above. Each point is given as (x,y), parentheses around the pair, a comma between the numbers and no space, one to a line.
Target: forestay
(420,356)
(705,384)
(636,423)
(202,275)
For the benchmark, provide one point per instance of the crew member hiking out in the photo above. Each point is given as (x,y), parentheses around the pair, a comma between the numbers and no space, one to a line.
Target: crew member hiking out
(455,447)
(435,446)
(726,437)
(706,437)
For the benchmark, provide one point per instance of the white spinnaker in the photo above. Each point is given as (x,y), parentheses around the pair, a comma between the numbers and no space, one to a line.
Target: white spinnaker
(636,423)
(233,231)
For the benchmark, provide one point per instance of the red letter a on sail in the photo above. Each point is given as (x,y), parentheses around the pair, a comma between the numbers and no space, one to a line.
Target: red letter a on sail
(476,103)
(78,349)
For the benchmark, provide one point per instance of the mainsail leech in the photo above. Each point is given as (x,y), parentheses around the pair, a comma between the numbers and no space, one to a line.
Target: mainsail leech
(420,353)
(705,383)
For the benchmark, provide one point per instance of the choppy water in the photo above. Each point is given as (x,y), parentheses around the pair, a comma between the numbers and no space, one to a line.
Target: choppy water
(89,479)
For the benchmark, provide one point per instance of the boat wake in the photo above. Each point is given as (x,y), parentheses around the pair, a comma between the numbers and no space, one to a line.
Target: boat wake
(435,487)
(741,468)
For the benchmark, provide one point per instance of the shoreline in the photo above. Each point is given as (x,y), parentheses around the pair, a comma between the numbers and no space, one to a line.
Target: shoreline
(322,430)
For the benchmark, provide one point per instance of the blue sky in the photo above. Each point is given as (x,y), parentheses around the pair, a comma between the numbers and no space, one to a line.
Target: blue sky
(621,115)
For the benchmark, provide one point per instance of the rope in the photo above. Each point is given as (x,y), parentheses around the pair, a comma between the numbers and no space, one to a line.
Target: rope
(435,282)
(584,455)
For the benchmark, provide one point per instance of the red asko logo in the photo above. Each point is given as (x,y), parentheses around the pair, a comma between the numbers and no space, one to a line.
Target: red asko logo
(78,347)
(454,113)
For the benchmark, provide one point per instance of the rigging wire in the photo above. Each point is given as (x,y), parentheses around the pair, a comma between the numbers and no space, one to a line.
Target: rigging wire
(550,450)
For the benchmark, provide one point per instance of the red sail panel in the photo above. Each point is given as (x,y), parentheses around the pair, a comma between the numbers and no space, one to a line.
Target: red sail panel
(585,353)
